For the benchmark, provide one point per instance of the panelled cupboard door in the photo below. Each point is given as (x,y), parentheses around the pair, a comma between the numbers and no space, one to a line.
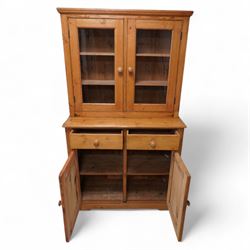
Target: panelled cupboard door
(97,57)
(177,197)
(153,50)
(70,193)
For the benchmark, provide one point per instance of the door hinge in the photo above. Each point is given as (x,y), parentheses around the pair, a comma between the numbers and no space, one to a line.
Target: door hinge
(181,36)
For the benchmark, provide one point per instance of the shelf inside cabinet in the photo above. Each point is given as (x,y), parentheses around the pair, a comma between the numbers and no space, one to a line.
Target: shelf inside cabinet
(152,54)
(148,162)
(150,83)
(98,82)
(147,188)
(100,162)
(101,188)
(96,53)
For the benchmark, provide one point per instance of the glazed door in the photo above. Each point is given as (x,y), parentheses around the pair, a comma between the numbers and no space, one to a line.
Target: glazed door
(177,197)
(97,59)
(70,193)
(153,49)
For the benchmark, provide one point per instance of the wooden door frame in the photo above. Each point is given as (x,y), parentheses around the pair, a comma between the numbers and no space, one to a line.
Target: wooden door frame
(178,217)
(69,215)
(117,25)
(176,27)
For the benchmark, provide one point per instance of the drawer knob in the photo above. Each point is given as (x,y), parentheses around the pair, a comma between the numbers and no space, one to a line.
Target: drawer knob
(152,144)
(119,69)
(130,70)
(96,143)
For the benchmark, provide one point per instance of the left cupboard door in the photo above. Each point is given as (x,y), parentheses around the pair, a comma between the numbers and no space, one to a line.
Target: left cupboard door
(69,179)
(96,47)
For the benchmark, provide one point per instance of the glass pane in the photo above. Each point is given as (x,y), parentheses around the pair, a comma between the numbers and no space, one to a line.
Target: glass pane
(97,65)
(153,41)
(152,66)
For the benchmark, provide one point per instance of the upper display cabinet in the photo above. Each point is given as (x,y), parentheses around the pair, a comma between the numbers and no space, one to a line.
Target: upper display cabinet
(130,64)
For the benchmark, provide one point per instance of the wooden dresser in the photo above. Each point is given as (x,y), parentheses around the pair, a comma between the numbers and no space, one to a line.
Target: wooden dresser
(124,136)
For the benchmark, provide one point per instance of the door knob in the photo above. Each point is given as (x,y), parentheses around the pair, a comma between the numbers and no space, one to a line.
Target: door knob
(130,70)
(119,69)
(152,144)
(96,142)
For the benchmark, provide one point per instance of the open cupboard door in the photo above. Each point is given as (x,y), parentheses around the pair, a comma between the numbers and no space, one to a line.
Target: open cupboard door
(177,197)
(70,193)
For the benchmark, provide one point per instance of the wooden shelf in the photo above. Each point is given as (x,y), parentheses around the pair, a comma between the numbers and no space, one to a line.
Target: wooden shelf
(148,163)
(98,82)
(96,53)
(101,188)
(153,54)
(121,122)
(100,162)
(152,83)
(143,188)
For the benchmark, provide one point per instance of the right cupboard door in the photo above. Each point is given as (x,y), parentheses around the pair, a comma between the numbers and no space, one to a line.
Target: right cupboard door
(178,188)
(152,60)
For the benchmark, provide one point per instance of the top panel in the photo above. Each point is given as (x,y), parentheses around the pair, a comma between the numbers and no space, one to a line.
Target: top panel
(180,13)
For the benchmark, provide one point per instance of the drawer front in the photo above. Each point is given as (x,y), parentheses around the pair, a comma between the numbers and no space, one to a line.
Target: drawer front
(153,142)
(96,141)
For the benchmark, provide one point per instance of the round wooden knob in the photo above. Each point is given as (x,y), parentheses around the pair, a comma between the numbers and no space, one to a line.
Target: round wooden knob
(119,69)
(130,69)
(96,143)
(152,144)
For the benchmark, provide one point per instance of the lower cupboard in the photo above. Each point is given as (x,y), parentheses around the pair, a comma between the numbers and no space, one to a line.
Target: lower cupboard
(113,178)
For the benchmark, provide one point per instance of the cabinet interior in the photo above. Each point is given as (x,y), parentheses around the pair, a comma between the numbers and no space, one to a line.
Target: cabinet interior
(153,41)
(147,188)
(98,188)
(104,174)
(97,65)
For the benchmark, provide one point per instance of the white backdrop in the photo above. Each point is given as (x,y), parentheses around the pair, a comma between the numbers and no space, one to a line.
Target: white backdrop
(33,103)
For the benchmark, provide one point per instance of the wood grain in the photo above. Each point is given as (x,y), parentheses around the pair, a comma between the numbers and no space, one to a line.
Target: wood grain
(125,12)
(164,123)
(100,162)
(86,205)
(153,141)
(101,188)
(148,162)
(178,193)
(138,188)
(70,193)
(95,141)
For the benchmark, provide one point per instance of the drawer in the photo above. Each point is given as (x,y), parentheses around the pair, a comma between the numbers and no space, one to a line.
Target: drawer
(94,140)
(153,141)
